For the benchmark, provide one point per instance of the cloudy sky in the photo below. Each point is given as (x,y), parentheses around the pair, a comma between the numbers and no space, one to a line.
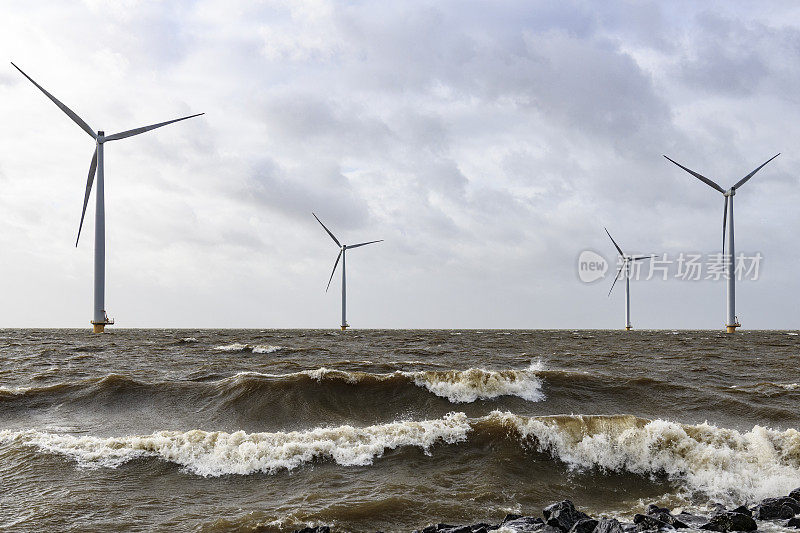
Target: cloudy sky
(488,143)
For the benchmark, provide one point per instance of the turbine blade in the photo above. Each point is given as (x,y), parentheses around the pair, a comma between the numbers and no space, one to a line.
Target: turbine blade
(615,242)
(616,278)
(89,182)
(744,179)
(362,244)
(334,270)
(329,232)
(700,177)
(137,131)
(641,257)
(70,113)
(724,224)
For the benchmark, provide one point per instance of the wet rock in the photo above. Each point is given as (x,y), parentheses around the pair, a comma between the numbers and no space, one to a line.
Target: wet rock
(457,529)
(586,525)
(663,514)
(528,524)
(563,515)
(691,520)
(434,528)
(793,522)
(318,529)
(773,508)
(511,516)
(742,510)
(650,523)
(608,525)
(730,521)
(795,494)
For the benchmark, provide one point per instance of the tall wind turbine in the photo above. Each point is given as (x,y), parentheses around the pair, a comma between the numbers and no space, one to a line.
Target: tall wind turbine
(626,263)
(731,322)
(342,255)
(100,319)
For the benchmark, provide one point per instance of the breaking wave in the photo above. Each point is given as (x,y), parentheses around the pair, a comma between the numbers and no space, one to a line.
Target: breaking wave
(722,464)
(251,348)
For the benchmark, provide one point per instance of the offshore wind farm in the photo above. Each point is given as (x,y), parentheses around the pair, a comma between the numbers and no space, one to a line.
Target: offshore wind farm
(488,382)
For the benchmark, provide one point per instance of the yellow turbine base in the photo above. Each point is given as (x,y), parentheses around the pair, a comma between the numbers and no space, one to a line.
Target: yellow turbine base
(98,328)
(731,329)
(344,328)
(628,328)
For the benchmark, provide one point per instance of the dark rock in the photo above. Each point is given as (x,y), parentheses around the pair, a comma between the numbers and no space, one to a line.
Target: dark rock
(730,521)
(433,528)
(694,521)
(665,516)
(563,515)
(318,529)
(457,529)
(742,510)
(649,523)
(795,494)
(773,508)
(608,525)
(527,524)
(586,525)
(793,522)
(511,516)
(628,528)
(654,509)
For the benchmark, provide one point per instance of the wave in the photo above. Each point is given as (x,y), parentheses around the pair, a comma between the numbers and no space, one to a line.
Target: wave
(252,348)
(723,464)
(218,453)
(458,386)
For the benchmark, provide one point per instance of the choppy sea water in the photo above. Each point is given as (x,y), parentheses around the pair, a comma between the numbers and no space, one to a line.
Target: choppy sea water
(217,430)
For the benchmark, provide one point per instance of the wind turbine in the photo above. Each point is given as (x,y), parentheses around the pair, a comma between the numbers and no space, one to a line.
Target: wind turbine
(342,255)
(731,322)
(100,319)
(626,262)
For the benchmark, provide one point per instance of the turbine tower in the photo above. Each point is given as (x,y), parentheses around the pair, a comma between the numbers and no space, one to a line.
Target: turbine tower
(626,262)
(343,256)
(100,319)
(731,322)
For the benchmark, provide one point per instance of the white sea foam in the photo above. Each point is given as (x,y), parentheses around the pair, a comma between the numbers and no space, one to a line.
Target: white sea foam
(189,339)
(255,348)
(218,453)
(724,464)
(460,386)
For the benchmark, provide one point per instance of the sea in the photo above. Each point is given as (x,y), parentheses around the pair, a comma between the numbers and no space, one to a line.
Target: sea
(386,430)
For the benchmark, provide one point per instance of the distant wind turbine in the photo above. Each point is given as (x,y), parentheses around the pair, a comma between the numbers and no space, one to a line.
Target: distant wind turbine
(731,322)
(100,318)
(342,255)
(626,261)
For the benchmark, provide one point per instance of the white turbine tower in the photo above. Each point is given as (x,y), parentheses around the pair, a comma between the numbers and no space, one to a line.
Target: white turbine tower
(342,255)
(100,318)
(731,322)
(626,262)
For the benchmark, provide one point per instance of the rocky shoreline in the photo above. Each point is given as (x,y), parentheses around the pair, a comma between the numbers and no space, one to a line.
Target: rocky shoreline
(563,517)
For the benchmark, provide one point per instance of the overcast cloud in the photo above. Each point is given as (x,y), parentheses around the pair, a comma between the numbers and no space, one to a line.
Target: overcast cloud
(486,142)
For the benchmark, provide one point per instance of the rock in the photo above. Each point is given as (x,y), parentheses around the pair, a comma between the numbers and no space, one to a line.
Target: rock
(318,529)
(649,523)
(795,494)
(608,525)
(563,515)
(586,525)
(742,510)
(457,529)
(528,524)
(730,521)
(793,522)
(663,514)
(433,528)
(694,521)
(772,508)
(511,516)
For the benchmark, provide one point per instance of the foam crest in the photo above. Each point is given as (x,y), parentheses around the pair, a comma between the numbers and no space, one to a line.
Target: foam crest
(461,386)
(218,453)
(724,464)
(254,348)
